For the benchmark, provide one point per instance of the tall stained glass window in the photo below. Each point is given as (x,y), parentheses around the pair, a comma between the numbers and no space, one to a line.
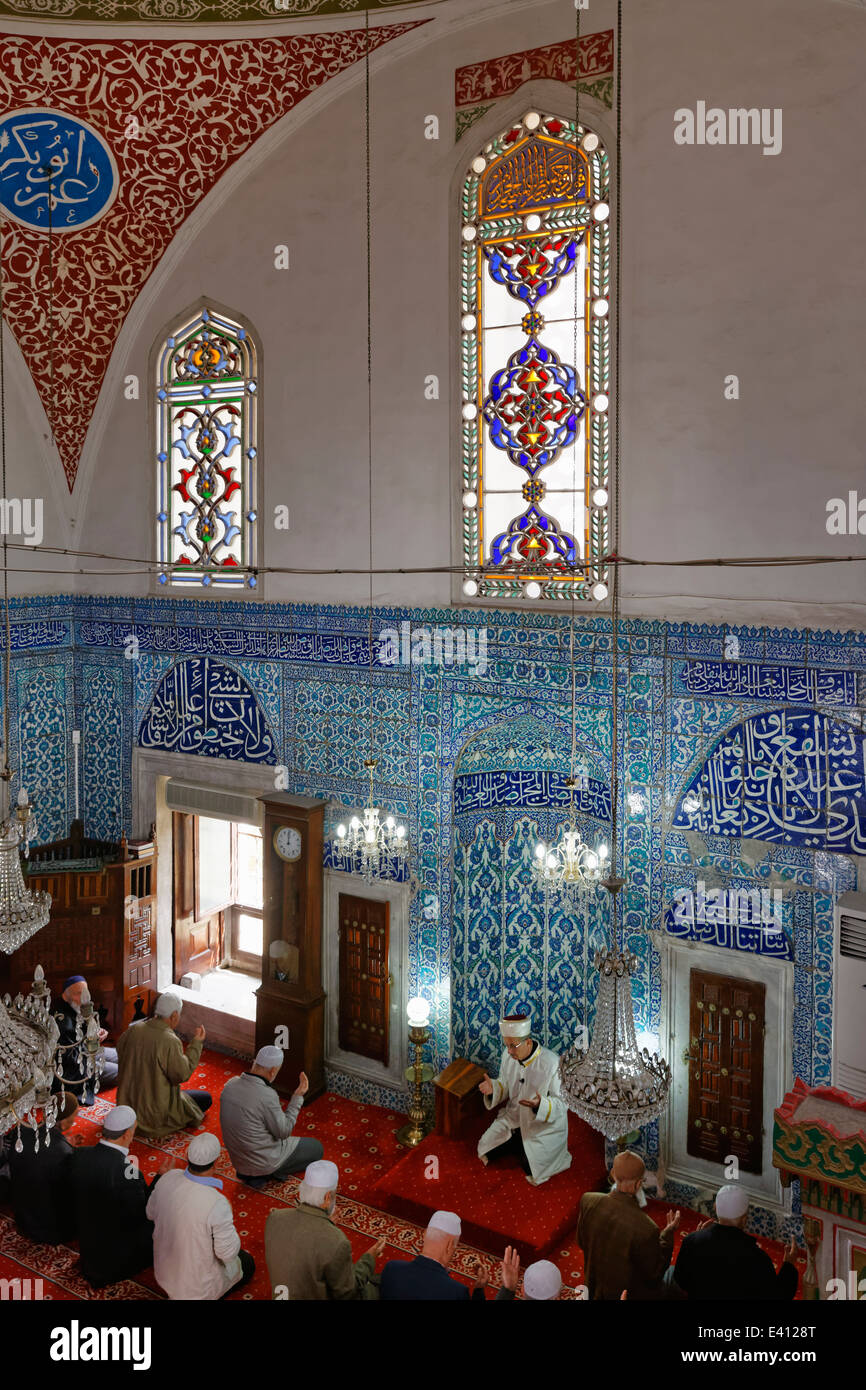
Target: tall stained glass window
(207,427)
(535,362)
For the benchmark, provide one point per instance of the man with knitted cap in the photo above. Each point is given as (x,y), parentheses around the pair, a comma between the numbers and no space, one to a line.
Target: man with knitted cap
(196,1250)
(720,1261)
(623,1248)
(256,1131)
(67,1016)
(533,1121)
(152,1066)
(426,1278)
(308,1256)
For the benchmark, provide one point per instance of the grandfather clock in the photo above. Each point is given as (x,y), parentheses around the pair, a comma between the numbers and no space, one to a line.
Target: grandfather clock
(290,999)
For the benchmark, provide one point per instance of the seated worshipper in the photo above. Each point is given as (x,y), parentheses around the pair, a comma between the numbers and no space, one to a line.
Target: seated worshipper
(426,1277)
(541,1282)
(152,1066)
(40,1192)
(256,1132)
(534,1122)
(307,1255)
(720,1261)
(67,1014)
(623,1247)
(196,1250)
(109,1197)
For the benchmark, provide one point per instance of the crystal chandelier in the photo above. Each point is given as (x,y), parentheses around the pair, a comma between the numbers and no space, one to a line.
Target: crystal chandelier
(28,1038)
(370,844)
(569,868)
(612,1084)
(22,912)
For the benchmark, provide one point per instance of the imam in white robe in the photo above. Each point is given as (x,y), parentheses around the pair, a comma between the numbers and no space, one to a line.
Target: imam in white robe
(544,1131)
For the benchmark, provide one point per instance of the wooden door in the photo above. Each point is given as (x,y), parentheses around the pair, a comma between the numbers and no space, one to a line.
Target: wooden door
(726,1069)
(197,941)
(364,977)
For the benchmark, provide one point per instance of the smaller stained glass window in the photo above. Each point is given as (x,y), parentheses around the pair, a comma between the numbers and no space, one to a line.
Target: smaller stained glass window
(207,445)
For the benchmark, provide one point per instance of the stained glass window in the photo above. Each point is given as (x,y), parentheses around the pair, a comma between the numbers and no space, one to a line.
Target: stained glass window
(535,362)
(207,425)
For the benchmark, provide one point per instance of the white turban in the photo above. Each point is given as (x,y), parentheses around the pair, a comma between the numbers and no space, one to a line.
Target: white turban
(203,1150)
(269,1057)
(120,1119)
(446,1221)
(167,1004)
(322,1175)
(542,1281)
(515,1026)
(731,1203)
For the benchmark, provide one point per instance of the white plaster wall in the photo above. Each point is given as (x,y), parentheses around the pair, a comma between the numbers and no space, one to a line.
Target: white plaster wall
(733,262)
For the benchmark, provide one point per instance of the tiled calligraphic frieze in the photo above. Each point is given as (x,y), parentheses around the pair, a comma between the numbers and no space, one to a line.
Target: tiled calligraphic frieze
(748,680)
(482,791)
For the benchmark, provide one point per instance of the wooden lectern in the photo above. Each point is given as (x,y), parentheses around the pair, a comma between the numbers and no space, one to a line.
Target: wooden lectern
(458,1099)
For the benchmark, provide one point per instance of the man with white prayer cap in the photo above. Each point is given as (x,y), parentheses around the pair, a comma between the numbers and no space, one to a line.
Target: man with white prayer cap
(541,1282)
(307,1255)
(721,1261)
(533,1121)
(109,1200)
(152,1066)
(256,1131)
(426,1277)
(197,1252)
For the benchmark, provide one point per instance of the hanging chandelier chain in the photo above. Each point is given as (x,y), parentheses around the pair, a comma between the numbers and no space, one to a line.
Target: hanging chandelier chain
(369,368)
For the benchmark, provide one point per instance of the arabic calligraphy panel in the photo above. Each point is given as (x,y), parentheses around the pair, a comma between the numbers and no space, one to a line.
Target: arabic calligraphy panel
(202,706)
(55,170)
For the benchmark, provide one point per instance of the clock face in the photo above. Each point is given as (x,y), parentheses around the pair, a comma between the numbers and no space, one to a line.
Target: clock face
(287,842)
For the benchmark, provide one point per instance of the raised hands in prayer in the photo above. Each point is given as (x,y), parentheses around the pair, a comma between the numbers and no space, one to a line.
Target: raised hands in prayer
(486,1086)
(673,1222)
(480,1277)
(510,1268)
(303,1085)
(532,1104)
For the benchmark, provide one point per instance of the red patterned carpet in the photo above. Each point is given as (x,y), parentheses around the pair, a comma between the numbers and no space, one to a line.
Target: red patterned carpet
(360,1139)
(497,1206)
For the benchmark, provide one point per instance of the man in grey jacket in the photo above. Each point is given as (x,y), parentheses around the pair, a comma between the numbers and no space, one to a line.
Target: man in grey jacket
(255,1129)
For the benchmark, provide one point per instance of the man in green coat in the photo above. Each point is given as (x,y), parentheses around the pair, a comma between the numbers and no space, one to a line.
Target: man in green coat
(153,1064)
(308,1256)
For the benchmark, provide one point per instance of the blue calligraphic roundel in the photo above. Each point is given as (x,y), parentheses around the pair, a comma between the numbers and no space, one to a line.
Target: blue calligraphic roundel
(55,171)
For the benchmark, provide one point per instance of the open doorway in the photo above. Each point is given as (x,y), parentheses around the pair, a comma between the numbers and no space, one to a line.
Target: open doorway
(217,902)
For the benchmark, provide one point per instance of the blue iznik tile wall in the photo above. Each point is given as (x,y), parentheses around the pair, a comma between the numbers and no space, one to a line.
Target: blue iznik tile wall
(742,766)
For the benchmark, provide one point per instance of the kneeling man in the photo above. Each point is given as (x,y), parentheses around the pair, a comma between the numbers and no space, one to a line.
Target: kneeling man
(534,1121)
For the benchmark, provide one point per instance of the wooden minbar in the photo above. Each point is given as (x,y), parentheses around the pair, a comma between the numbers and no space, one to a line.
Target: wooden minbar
(458,1099)
(102,926)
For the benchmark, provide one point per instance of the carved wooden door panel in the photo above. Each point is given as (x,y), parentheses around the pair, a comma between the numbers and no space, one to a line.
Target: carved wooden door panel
(726,1069)
(197,941)
(364,977)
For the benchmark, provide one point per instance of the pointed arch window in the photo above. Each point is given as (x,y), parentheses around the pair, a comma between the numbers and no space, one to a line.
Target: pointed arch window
(534,362)
(207,454)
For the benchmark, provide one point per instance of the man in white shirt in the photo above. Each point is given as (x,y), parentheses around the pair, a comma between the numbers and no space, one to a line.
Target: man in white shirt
(533,1121)
(196,1250)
